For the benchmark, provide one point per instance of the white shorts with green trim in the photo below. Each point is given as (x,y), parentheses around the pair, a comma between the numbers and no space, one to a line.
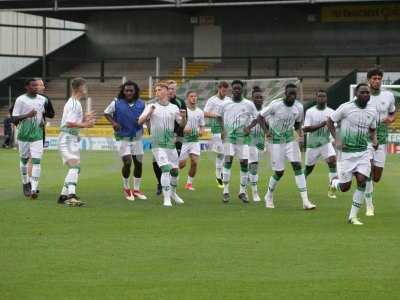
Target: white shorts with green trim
(125,147)
(238,151)
(216,144)
(378,156)
(189,148)
(353,162)
(31,149)
(164,156)
(314,154)
(68,145)
(282,152)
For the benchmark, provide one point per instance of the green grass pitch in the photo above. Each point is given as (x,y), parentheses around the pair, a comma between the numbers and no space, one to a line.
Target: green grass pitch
(113,249)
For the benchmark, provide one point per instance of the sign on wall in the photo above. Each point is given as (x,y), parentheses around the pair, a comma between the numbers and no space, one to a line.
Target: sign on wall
(361,13)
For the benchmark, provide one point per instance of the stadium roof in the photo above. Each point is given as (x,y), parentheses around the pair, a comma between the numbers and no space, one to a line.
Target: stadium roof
(88,5)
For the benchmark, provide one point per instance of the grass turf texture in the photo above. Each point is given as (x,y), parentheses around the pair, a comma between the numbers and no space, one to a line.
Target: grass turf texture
(114,249)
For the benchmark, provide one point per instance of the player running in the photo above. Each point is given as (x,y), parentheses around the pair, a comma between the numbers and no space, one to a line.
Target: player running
(68,142)
(211,112)
(191,146)
(384,102)
(123,113)
(236,115)
(357,122)
(162,116)
(257,144)
(319,138)
(283,117)
(178,131)
(27,114)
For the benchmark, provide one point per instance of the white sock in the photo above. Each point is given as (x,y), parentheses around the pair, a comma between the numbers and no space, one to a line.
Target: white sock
(125,182)
(273,182)
(244,177)
(136,183)
(219,163)
(189,180)
(302,186)
(166,184)
(253,181)
(174,183)
(64,190)
(226,177)
(368,193)
(72,180)
(24,172)
(357,202)
(35,176)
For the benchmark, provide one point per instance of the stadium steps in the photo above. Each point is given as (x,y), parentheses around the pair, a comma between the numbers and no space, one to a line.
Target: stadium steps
(193,69)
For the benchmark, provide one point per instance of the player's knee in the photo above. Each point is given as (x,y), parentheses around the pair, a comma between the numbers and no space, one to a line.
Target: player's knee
(296,166)
(174,172)
(72,163)
(127,161)
(331,161)
(244,166)
(137,159)
(377,174)
(344,187)
(253,168)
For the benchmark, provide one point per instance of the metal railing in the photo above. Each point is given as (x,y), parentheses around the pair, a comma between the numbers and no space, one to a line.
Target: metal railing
(327,63)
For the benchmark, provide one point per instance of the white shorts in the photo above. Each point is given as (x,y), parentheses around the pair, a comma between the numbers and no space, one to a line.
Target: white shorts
(31,149)
(216,144)
(239,151)
(125,148)
(68,145)
(282,152)
(352,162)
(378,156)
(189,148)
(164,156)
(254,154)
(313,154)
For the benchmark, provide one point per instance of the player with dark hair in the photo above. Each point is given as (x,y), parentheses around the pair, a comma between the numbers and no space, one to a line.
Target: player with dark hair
(236,115)
(28,114)
(384,102)
(257,144)
(211,112)
(319,138)
(123,113)
(284,116)
(357,122)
